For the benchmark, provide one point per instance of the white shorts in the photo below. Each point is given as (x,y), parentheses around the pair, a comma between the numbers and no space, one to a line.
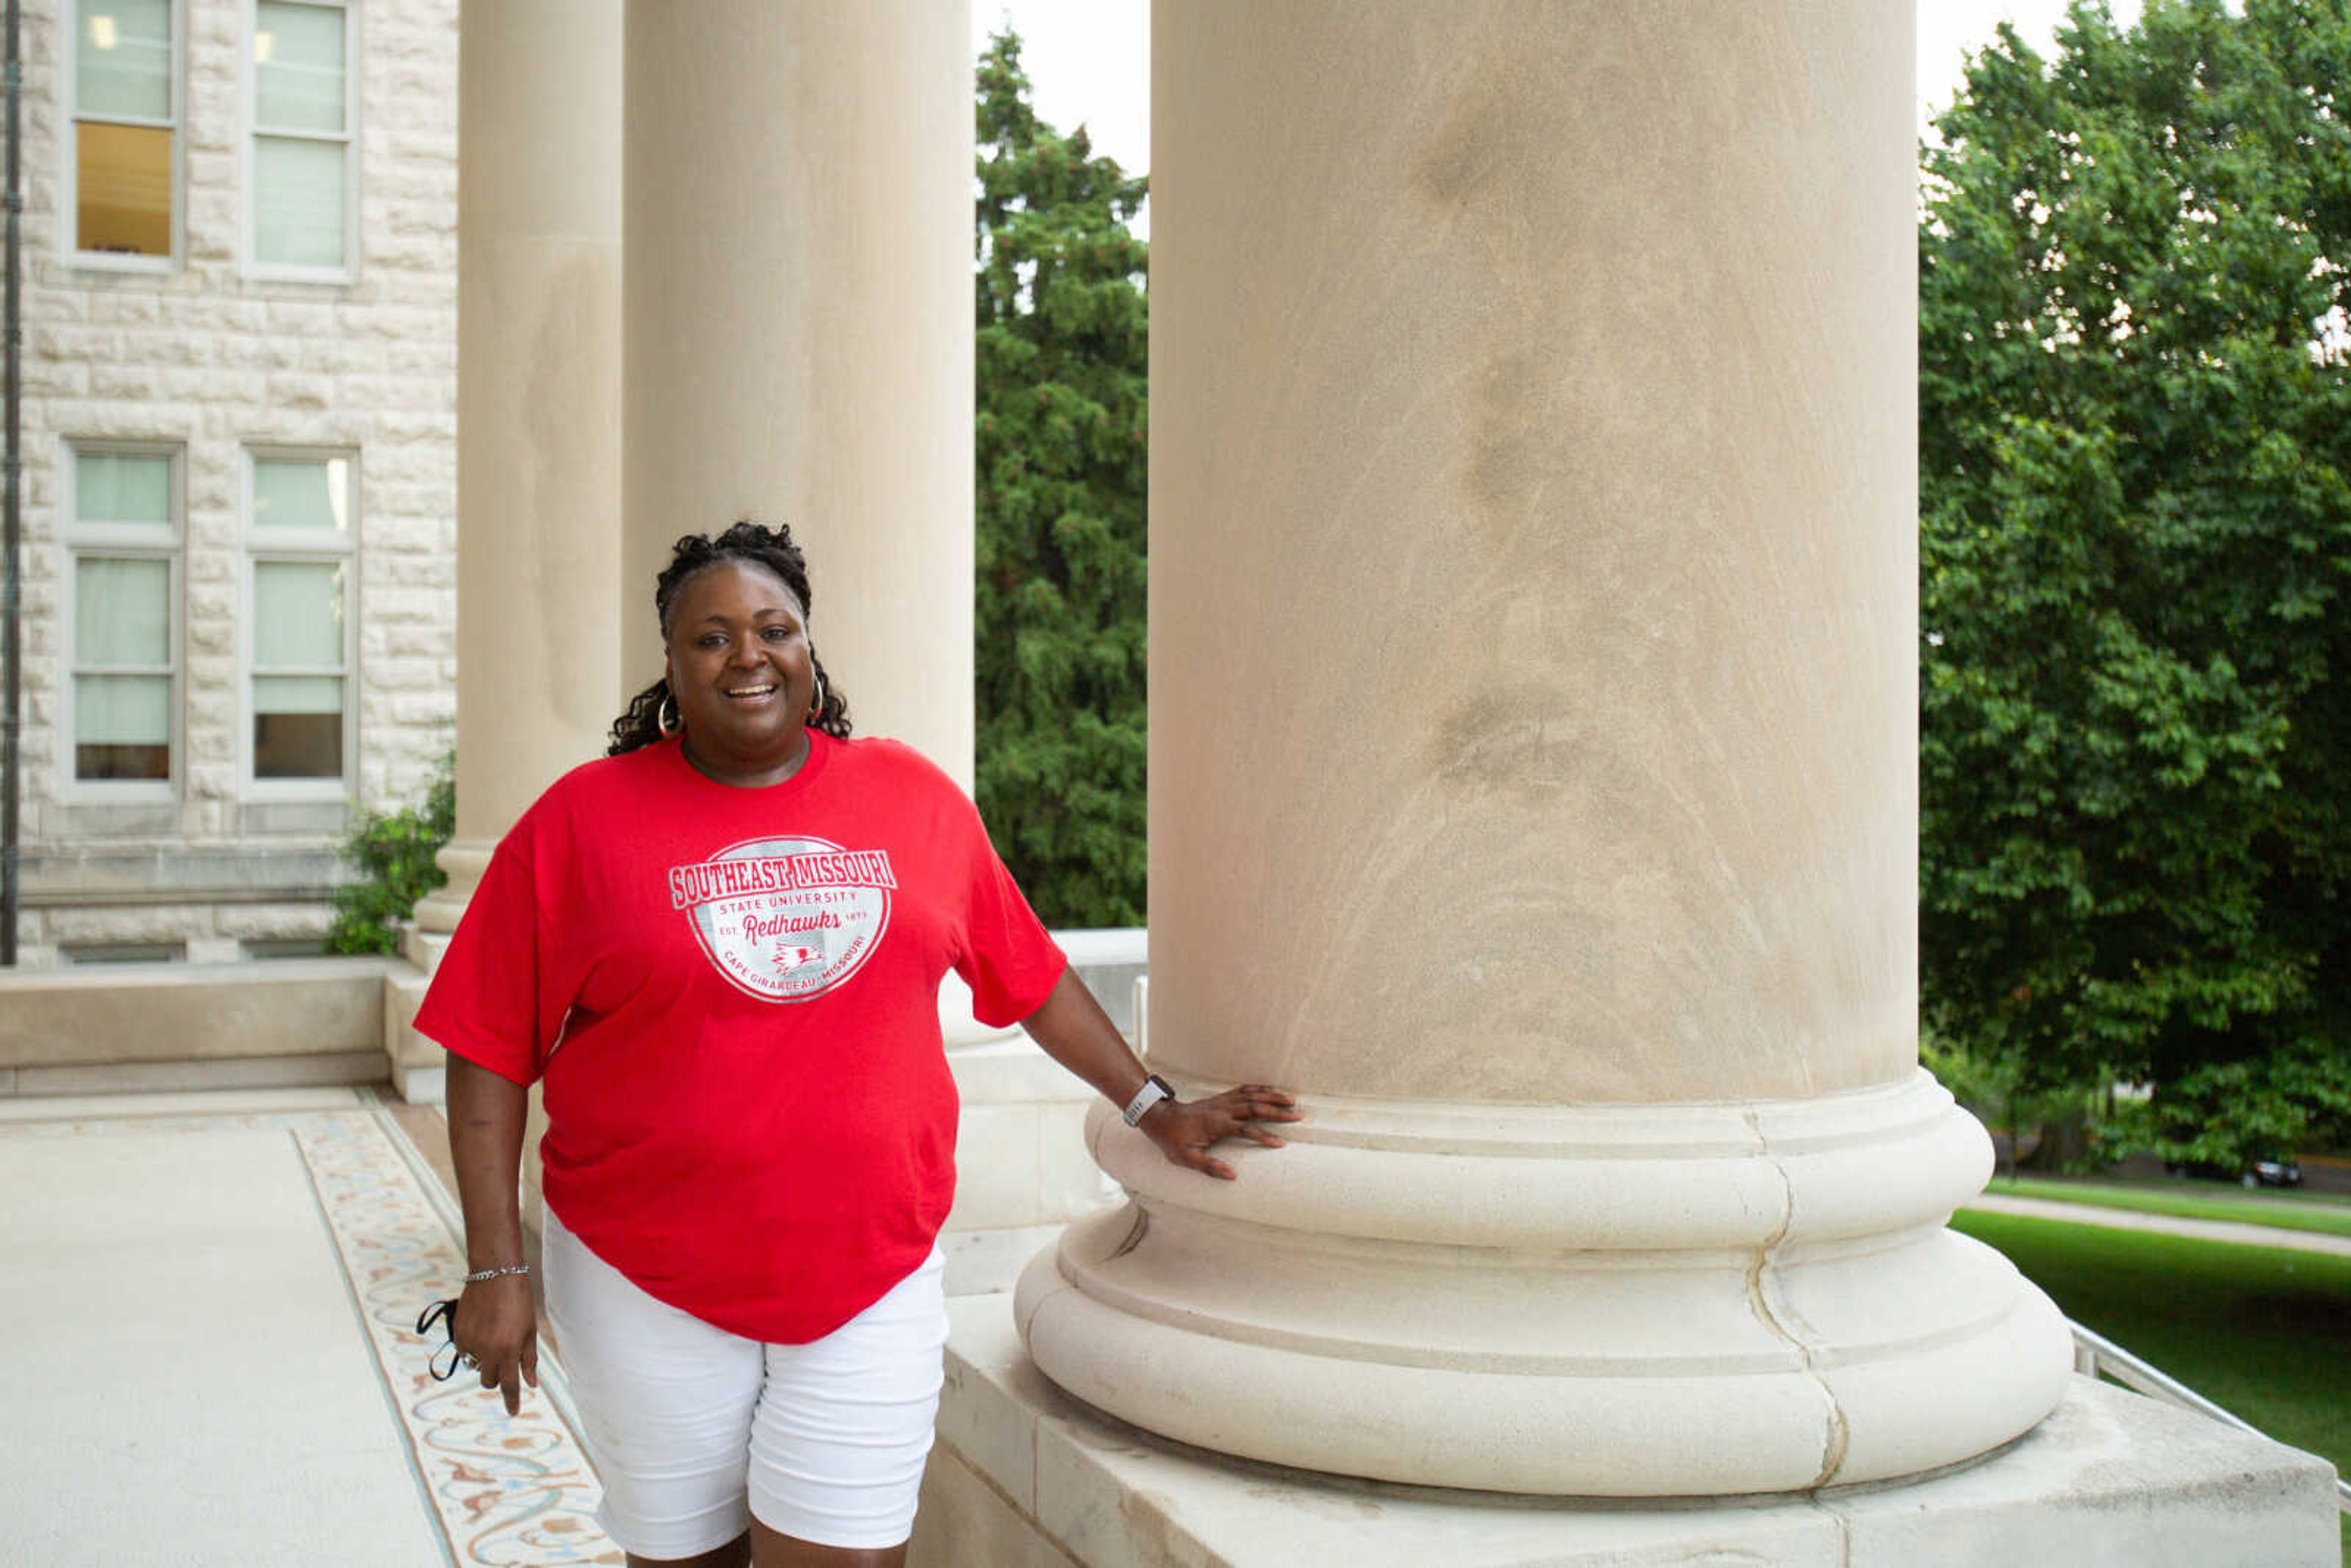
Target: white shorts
(695,1431)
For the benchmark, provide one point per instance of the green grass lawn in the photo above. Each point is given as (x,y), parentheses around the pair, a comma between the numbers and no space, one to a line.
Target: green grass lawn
(2191,1200)
(2263,1333)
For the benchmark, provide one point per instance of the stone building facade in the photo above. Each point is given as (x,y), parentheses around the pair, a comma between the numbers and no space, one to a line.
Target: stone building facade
(240,459)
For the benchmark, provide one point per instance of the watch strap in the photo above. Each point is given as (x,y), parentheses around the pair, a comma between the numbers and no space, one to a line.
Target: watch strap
(1155,1089)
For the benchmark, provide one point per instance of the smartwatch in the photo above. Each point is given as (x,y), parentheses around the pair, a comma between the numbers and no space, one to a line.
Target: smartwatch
(1155,1089)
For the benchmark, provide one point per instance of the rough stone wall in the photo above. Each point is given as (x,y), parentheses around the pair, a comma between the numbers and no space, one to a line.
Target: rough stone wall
(213,360)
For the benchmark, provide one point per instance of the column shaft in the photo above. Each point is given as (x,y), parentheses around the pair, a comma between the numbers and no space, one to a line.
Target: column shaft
(799,349)
(799,326)
(539,411)
(1534,586)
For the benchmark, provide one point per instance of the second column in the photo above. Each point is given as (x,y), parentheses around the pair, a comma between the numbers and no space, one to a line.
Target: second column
(798,336)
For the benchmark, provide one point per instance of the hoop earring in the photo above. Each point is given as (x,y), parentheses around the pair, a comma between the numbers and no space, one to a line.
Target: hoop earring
(817,711)
(668,725)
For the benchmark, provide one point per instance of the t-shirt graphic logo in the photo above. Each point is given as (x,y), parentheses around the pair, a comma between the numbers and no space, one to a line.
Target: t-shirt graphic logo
(789,918)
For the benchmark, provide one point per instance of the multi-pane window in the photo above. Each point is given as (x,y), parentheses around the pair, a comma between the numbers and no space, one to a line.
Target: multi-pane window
(299,613)
(125,549)
(302,137)
(125,127)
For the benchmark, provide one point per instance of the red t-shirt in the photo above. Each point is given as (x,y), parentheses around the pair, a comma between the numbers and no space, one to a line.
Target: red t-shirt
(732,998)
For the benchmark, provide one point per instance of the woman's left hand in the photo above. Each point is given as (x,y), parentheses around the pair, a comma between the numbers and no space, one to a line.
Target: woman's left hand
(1185,1128)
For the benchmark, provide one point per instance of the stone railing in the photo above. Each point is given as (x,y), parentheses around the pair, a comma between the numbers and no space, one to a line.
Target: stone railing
(2094,1355)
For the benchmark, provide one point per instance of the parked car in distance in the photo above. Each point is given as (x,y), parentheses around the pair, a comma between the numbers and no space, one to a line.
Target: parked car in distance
(2280,1170)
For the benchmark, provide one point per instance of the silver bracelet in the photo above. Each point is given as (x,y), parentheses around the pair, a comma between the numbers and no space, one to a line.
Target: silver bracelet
(478,1275)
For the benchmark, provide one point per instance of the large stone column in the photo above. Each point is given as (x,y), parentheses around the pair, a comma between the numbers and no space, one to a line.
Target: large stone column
(799,349)
(1533,767)
(798,340)
(539,441)
(538,412)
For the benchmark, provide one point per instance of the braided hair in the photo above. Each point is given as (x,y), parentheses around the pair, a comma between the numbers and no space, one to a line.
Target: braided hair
(771,551)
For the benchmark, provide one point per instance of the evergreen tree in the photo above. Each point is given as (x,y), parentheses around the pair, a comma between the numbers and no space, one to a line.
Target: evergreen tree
(1062,476)
(2134,469)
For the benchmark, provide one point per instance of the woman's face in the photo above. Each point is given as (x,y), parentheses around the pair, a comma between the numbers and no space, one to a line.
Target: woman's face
(740,668)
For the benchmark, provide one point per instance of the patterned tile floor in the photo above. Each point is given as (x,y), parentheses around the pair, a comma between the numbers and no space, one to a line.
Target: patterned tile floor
(211,1254)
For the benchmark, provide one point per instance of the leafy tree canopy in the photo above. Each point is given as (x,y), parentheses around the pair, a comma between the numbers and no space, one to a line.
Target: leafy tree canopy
(1062,474)
(2135,473)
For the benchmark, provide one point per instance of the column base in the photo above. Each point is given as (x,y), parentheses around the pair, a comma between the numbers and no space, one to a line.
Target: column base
(1024,1477)
(418,1071)
(1639,1300)
(463,862)
(420,1074)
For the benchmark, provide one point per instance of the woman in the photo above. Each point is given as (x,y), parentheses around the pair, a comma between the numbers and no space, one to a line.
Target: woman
(721,948)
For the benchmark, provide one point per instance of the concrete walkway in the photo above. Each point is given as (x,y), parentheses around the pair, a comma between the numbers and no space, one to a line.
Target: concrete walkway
(2166,1224)
(212,1301)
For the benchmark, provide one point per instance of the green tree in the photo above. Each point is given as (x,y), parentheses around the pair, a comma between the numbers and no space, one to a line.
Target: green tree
(1062,473)
(2134,474)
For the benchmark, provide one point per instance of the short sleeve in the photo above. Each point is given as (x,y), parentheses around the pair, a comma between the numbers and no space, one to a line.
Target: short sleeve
(1008,958)
(493,999)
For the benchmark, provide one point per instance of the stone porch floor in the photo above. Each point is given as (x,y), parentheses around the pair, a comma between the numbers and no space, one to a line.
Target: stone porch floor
(211,1356)
(212,1299)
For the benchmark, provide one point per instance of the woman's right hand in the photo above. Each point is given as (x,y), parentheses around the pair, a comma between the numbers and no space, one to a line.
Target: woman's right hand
(496,1325)
(497,1332)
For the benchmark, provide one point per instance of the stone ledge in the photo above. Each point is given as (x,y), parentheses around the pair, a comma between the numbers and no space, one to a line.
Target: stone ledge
(1024,1475)
(115,1079)
(191,1012)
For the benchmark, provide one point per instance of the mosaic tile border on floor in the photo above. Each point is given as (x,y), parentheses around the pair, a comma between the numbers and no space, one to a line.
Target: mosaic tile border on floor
(508,1491)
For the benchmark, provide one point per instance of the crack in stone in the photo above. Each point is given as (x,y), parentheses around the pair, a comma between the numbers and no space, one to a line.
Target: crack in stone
(1757,1299)
(1134,1235)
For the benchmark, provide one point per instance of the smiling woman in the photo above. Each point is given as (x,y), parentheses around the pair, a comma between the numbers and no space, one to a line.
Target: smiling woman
(720,947)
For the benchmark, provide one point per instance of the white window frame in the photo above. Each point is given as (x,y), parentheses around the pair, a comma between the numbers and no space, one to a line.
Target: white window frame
(122,541)
(70,148)
(349,137)
(260,545)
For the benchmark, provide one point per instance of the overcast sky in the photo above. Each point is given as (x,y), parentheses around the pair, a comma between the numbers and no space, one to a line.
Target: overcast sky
(1090,60)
